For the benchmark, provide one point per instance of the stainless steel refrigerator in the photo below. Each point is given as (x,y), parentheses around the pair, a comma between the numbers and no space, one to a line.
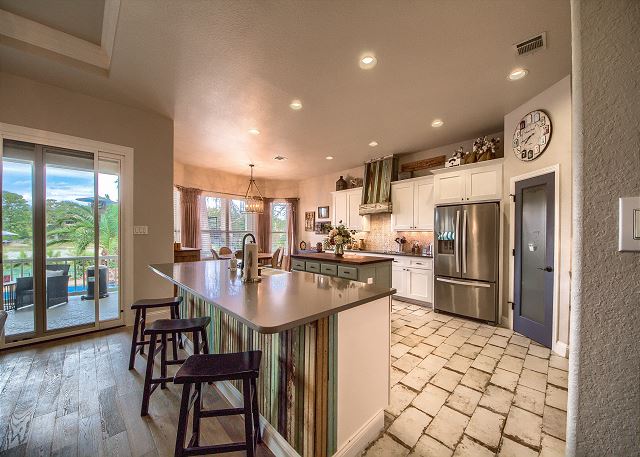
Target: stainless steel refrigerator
(466,260)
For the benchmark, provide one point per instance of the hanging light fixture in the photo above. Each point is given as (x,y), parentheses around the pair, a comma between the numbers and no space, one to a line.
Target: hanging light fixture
(253,200)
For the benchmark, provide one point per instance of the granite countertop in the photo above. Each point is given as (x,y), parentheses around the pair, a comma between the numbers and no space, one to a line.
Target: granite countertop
(407,254)
(281,301)
(351,259)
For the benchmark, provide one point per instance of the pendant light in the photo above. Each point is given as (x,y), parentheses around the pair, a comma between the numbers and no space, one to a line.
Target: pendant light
(253,201)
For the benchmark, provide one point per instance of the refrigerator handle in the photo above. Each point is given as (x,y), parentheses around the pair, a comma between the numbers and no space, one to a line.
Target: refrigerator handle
(464,241)
(456,242)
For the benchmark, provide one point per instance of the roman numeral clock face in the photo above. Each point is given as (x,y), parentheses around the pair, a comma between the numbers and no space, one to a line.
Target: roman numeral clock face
(532,135)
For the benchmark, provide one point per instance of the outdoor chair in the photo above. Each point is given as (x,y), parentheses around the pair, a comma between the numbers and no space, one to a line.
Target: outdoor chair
(57,287)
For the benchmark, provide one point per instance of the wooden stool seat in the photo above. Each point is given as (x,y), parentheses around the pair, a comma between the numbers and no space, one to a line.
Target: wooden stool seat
(177,325)
(219,367)
(198,369)
(140,307)
(161,329)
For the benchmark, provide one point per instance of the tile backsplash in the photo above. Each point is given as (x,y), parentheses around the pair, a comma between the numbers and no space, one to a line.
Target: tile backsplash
(381,237)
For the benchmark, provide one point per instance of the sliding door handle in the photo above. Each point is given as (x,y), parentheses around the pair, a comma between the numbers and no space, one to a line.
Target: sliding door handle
(547,269)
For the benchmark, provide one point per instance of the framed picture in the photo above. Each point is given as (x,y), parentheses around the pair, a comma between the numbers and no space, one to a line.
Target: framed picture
(322,228)
(323,212)
(309,221)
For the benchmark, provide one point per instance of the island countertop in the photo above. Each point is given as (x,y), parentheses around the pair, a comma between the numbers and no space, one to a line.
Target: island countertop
(277,303)
(350,259)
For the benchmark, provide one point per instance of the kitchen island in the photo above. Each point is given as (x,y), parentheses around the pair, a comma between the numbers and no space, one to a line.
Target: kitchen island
(369,269)
(324,379)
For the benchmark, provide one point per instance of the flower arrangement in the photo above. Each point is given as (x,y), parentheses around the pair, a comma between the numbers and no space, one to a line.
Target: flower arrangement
(339,236)
(483,149)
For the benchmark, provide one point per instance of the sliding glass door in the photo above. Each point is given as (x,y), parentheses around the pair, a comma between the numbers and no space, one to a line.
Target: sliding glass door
(61,240)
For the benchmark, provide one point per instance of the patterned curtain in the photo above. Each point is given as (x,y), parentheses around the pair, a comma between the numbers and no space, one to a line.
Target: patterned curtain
(190,216)
(292,223)
(263,237)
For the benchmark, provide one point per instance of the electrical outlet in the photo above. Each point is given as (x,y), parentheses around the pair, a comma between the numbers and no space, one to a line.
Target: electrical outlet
(140,230)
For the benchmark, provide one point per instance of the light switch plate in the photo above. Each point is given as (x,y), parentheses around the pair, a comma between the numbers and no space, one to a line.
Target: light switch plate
(140,230)
(629,224)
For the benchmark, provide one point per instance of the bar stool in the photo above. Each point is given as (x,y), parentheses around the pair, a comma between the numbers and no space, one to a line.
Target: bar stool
(141,306)
(161,328)
(198,369)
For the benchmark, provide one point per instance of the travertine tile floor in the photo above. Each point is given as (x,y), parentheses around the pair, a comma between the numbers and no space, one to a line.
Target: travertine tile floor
(461,388)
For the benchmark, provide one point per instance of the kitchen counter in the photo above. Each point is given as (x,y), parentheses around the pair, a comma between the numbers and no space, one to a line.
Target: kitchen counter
(407,254)
(325,342)
(351,259)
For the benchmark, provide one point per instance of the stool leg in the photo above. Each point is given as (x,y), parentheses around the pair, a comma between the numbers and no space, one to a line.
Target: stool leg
(163,360)
(146,393)
(197,408)
(134,340)
(256,411)
(183,419)
(196,342)
(248,418)
(174,335)
(205,343)
(177,314)
(143,324)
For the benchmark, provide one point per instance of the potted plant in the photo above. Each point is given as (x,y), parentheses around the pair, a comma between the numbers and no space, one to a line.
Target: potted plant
(338,237)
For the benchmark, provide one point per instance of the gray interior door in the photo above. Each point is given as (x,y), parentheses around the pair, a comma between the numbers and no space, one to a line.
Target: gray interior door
(534,251)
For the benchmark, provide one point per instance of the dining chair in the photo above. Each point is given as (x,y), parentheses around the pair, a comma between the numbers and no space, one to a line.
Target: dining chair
(276,260)
(214,254)
(225,250)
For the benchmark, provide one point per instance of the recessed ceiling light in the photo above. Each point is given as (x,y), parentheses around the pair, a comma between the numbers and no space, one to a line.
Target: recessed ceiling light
(373,144)
(295,105)
(329,157)
(437,123)
(368,61)
(518,73)
(279,158)
(254,131)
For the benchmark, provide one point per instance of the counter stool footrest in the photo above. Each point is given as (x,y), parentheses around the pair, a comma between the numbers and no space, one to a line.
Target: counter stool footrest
(221,412)
(215,449)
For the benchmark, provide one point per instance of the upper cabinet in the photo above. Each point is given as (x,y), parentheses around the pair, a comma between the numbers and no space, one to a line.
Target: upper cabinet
(468,183)
(412,201)
(346,208)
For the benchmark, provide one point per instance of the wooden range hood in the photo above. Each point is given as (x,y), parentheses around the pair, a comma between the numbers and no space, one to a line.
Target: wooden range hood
(376,192)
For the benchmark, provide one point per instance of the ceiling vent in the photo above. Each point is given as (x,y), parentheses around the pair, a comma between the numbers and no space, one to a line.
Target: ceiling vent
(279,158)
(531,44)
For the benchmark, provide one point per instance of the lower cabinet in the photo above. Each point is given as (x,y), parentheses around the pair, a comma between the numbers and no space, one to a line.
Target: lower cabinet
(376,273)
(413,279)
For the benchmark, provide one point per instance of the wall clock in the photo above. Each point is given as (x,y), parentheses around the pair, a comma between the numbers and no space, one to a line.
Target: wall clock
(532,135)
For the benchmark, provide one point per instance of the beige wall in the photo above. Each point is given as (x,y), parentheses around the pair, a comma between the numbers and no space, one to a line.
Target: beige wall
(556,102)
(603,414)
(27,103)
(218,181)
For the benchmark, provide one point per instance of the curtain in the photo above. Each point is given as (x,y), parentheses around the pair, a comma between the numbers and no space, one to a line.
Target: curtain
(190,216)
(263,235)
(292,223)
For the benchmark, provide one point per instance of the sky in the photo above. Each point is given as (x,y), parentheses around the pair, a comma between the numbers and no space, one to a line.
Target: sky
(61,183)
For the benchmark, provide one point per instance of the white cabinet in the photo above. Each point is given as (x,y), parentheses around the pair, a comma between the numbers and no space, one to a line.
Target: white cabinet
(413,278)
(412,202)
(397,279)
(468,183)
(346,208)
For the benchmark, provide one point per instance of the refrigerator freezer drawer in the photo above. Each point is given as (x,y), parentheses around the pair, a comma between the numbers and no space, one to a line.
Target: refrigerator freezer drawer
(468,298)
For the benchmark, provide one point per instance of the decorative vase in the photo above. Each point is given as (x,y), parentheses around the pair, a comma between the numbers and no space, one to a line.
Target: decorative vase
(339,251)
(341,184)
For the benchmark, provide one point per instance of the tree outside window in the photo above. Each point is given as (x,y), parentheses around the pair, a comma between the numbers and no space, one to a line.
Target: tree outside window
(279,224)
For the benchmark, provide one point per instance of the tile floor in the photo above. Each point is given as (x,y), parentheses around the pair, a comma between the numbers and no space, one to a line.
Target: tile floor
(461,388)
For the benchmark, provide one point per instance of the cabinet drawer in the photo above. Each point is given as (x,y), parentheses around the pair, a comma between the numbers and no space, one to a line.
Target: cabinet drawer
(313,267)
(348,272)
(424,263)
(297,264)
(329,269)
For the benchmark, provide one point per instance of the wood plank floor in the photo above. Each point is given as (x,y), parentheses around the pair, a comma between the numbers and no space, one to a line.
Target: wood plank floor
(76,397)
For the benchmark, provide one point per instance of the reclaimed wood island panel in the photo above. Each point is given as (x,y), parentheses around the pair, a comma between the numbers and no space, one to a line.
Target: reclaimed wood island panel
(324,380)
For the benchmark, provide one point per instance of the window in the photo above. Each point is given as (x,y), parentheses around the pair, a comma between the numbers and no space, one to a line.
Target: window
(223,223)
(279,224)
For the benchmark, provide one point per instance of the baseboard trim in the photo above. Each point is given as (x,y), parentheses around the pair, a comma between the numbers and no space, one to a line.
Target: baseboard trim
(363,437)
(560,348)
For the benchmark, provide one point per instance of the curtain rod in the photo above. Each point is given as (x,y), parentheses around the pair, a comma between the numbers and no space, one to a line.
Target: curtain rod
(228,193)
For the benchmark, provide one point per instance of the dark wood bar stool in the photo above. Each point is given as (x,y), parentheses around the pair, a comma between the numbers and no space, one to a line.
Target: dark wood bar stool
(161,329)
(208,368)
(138,341)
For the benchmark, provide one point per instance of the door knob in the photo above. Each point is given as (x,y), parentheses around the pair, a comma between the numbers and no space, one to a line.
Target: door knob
(545,269)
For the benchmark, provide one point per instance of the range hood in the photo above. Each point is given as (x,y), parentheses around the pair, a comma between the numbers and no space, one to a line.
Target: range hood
(376,192)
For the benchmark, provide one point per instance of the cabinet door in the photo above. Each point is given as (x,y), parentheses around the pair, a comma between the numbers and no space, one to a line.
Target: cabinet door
(354,220)
(423,205)
(398,280)
(340,210)
(449,187)
(419,284)
(484,183)
(402,201)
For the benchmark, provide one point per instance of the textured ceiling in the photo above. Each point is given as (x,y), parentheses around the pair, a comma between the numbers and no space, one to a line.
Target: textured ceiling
(80,18)
(219,68)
